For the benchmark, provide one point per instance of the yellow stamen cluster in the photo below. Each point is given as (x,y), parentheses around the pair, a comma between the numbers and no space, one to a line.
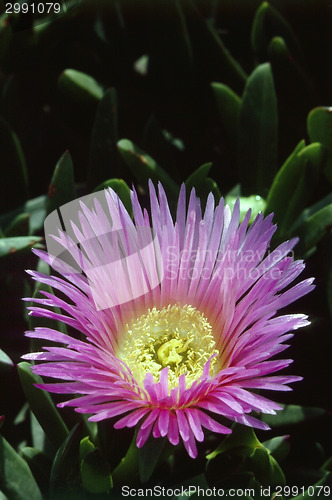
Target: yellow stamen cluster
(179,337)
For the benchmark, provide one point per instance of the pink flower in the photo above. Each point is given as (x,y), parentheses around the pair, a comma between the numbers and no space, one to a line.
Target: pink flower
(174,321)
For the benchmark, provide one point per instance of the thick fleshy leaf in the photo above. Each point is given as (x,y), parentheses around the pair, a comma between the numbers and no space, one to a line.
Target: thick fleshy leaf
(39,463)
(95,474)
(312,210)
(122,190)
(62,188)
(196,179)
(319,125)
(65,474)
(258,132)
(269,23)
(103,154)
(34,208)
(292,415)
(16,479)
(79,86)
(203,184)
(294,184)
(255,203)
(5,361)
(18,243)
(38,436)
(86,446)
(278,446)
(267,470)
(19,226)
(314,228)
(42,405)
(228,107)
(143,167)
(293,83)
(127,470)
(148,457)
(241,436)
(14,179)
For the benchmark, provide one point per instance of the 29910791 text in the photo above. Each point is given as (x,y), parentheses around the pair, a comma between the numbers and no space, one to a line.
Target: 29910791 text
(42,8)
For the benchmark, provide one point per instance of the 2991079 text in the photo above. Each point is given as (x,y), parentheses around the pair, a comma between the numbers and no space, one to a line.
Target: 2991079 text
(42,8)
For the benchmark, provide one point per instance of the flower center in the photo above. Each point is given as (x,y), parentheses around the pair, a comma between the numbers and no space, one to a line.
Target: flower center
(179,337)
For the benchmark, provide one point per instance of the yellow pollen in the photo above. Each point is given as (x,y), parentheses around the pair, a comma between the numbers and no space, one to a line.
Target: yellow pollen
(179,337)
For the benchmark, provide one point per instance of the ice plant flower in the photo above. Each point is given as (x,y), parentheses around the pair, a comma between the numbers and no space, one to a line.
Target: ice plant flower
(171,323)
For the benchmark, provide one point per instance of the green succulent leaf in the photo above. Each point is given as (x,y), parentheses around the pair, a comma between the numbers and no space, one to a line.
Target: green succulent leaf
(16,479)
(19,226)
(228,107)
(319,125)
(148,457)
(292,415)
(122,190)
(5,362)
(86,446)
(34,208)
(79,86)
(18,243)
(14,178)
(39,464)
(314,228)
(312,210)
(126,471)
(196,179)
(241,437)
(278,447)
(42,405)
(269,23)
(38,436)
(103,153)
(203,185)
(143,167)
(95,474)
(294,184)
(291,80)
(62,188)
(65,480)
(258,130)
(255,203)
(267,470)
